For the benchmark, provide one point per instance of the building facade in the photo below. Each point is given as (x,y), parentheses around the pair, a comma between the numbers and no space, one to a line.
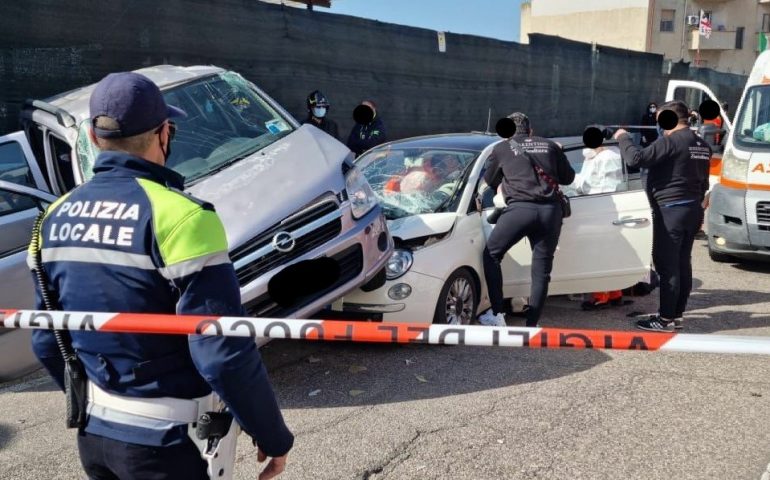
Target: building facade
(740,28)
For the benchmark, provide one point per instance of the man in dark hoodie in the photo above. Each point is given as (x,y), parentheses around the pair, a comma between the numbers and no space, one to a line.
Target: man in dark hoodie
(369,131)
(529,169)
(678,179)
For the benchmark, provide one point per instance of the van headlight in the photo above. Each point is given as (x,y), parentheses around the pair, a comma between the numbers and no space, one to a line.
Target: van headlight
(399,263)
(360,193)
(734,168)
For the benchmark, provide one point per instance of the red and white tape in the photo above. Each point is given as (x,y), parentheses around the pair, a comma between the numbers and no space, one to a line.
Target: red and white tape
(384,332)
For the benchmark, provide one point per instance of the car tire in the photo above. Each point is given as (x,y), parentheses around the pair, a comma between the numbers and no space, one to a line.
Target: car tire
(719,257)
(460,292)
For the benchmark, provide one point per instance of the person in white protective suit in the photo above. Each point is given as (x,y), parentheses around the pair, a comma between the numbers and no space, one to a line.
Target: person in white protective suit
(602,171)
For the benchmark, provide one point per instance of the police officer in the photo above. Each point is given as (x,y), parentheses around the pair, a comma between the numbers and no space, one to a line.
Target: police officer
(533,211)
(130,241)
(317,109)
(369,130)
(678,164)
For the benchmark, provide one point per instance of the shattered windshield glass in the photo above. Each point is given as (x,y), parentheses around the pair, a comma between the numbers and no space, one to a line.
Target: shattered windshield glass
(226,121)
(412,181)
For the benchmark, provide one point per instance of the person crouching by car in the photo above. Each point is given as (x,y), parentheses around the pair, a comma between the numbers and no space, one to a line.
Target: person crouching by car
(533,210)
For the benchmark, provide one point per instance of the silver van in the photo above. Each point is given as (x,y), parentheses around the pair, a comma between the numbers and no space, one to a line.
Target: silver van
(289,196)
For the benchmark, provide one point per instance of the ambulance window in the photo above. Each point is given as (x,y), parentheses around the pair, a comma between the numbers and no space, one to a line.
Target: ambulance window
(753,126)
(14,169)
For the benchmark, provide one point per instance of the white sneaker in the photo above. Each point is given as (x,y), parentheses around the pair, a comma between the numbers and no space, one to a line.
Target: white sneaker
(489,319)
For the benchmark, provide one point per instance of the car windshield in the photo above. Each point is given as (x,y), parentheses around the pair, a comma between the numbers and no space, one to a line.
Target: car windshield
(226,121)
(752,130)
(412,181)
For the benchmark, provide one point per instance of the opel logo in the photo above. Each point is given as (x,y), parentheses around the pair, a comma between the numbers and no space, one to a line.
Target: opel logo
(284,242)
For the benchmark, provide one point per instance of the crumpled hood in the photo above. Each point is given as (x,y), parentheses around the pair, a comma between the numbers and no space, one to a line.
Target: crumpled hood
(261,190)
(424,225)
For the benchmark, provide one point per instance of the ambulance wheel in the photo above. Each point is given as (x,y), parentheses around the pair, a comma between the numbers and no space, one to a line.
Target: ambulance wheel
(458,300)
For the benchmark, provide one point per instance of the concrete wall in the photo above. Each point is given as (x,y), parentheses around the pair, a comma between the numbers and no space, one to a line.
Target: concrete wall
(620,23)
(50,47)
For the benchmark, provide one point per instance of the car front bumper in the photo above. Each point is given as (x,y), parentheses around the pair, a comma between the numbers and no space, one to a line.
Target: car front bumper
(418,307)
(730,232)
(364,246)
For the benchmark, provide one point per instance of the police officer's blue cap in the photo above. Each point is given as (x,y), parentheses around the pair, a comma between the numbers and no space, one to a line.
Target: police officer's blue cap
(133,101)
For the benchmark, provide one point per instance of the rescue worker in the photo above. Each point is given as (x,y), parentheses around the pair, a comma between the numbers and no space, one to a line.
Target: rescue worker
(369,130)
(678,178)
(317,109)
(533,211)
(130,241)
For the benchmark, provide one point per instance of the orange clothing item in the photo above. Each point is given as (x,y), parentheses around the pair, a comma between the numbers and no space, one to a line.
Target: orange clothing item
(605,297)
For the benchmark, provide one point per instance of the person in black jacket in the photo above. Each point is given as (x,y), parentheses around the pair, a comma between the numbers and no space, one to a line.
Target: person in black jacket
(650,119)
(369,130)
(533,211)
(317,109)
(677,181)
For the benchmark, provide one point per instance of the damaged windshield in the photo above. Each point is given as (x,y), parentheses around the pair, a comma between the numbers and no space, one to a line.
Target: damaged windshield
(226,120)
(412,181)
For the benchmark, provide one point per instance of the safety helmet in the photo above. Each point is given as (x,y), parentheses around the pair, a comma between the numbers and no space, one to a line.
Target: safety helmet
(317,99)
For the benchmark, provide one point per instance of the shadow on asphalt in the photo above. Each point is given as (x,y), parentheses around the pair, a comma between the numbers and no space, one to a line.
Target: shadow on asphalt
(7,433)
(321,375)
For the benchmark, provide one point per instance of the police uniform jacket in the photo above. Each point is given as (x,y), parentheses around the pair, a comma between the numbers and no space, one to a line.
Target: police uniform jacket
(130,241)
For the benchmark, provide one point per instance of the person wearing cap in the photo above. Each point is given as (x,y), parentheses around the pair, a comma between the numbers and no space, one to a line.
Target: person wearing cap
(533,210)
(678,178)
(129,240)
(317,109)
(369,130)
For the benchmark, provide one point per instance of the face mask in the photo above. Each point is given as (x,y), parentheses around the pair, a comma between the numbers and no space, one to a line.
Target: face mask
(653,109)
(319,112)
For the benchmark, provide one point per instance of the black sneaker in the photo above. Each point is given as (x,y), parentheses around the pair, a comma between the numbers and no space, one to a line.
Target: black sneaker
(656,324)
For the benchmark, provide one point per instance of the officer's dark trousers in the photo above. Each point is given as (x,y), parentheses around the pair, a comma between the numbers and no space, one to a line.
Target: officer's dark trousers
(674,230)
(107,459)
(541,224)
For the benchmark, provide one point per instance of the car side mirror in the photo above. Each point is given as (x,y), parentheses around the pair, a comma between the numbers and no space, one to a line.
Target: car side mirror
(40,198)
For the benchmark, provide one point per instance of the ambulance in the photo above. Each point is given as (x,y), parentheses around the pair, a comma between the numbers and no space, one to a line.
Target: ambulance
(738,216)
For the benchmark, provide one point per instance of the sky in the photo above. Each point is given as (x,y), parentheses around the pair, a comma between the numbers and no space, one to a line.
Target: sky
(487,18)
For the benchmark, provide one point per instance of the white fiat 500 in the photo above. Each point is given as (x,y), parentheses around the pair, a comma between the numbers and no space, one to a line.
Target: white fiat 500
(429,187)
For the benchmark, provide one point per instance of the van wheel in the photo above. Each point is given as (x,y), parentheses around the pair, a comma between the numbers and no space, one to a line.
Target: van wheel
(458,300)
(719,257)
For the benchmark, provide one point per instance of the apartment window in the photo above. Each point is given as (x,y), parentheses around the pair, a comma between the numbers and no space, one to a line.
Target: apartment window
(739,38)
(766,22)
(667,20)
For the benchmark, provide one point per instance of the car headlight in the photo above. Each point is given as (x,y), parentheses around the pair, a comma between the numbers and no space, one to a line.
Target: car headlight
(362,198)
(398,264)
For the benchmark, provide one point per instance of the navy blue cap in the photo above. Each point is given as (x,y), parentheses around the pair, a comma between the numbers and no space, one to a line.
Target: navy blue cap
(133,101)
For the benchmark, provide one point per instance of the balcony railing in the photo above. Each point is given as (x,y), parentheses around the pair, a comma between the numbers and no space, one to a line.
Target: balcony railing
(719,40)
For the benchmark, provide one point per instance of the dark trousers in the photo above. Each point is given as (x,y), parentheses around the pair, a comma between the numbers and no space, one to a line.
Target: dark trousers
(106,459)
(541,224)
(674,230)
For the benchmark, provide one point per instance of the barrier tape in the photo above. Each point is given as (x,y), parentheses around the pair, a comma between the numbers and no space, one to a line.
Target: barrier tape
(384,332)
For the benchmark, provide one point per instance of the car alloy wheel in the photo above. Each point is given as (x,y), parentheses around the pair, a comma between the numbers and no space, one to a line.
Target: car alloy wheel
(458,300)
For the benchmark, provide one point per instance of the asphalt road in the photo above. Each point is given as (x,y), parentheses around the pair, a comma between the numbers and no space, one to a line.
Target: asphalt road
(422,412)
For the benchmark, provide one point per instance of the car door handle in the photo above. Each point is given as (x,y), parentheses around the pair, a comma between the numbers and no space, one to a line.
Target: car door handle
(630,221)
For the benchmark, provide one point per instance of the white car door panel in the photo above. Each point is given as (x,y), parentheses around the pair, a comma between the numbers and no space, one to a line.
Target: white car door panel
(606,244)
